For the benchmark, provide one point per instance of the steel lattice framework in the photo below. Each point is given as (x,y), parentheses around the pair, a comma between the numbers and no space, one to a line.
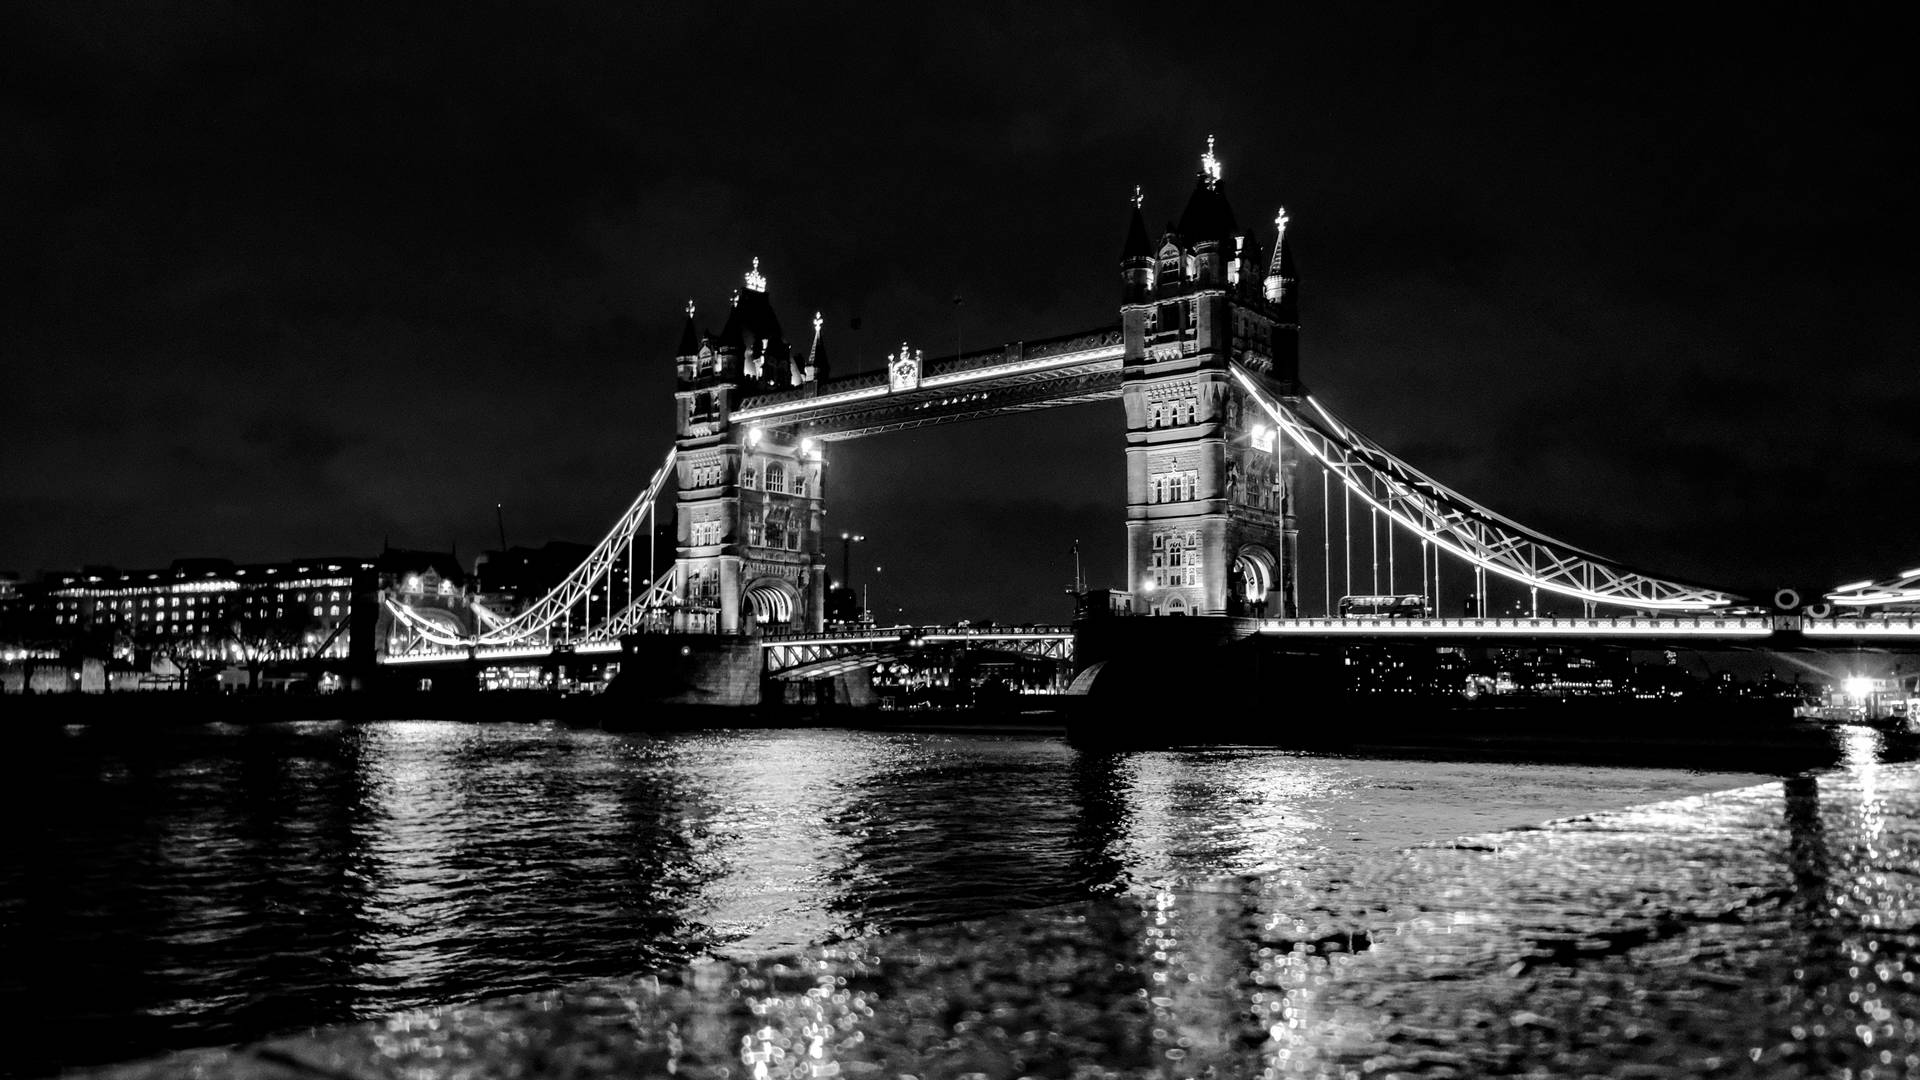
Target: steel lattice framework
(1463,527)
(819,655)
(575,594)
(1901,591)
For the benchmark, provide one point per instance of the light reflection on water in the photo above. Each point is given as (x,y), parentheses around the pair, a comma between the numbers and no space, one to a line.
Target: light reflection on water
(200,885)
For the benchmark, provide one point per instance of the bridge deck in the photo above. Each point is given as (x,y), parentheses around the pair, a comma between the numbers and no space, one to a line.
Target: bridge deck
(1744,631)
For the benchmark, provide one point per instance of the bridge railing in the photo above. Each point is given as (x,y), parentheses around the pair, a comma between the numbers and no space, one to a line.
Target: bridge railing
(925,633)
(1863,626)
(1635,626)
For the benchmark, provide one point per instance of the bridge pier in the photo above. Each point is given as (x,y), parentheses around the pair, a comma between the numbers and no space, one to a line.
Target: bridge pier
(689,670)
(1156,681)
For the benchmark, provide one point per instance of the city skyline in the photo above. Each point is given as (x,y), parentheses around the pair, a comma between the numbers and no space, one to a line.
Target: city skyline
(293,288)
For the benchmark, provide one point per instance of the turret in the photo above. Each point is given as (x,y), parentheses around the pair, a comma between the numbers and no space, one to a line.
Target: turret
(1136,259)
(730,347)
(764,352)
(686,359)
(1206,227)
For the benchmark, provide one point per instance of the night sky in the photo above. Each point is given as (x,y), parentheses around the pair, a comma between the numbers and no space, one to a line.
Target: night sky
(283,280)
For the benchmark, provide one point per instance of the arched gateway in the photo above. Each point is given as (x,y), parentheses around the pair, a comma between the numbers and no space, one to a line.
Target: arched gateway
(1209,517)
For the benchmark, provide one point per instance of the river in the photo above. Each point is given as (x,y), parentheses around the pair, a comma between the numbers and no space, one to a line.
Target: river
(189,885)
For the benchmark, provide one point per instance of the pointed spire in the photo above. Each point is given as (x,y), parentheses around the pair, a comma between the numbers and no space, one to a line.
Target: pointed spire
(1279,286)
(689,336)
(731,334)
(1137,246)
(1280,221)
(1207,218)
(816,369)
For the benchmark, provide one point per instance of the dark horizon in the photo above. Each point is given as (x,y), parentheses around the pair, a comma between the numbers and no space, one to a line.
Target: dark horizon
(290,283)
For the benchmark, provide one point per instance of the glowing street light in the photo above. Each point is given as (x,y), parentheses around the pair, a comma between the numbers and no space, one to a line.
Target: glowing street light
(847,540)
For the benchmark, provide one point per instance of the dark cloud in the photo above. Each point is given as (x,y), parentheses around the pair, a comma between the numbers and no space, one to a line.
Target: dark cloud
(286,279)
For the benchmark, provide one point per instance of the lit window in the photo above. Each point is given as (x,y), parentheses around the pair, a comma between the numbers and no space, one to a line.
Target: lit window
(776,476)
(316,611)
(334,610)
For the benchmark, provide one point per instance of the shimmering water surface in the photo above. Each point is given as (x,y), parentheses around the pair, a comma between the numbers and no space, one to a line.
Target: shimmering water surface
(198,885)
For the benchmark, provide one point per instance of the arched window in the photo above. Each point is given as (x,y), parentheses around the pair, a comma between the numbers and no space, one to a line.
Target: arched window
(776,476)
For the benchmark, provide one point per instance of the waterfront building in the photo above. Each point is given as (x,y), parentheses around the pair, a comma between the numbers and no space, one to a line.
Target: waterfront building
(164,628)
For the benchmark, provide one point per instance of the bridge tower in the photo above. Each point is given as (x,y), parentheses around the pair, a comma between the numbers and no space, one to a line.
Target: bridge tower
(1211,526)
(749,500)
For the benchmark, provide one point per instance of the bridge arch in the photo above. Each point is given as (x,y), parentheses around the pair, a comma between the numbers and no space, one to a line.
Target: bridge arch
(1255,575)
(770,602)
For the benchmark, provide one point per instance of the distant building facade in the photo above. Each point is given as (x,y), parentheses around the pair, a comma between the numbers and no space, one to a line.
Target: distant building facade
(196,616)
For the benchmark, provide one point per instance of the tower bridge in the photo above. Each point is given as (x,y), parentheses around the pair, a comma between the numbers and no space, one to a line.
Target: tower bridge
(1222,445)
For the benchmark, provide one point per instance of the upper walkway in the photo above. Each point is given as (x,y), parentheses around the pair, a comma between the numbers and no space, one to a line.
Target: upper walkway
(1019,376)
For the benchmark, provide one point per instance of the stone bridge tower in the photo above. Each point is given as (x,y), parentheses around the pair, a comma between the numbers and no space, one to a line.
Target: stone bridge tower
(749,500)
(1211,527)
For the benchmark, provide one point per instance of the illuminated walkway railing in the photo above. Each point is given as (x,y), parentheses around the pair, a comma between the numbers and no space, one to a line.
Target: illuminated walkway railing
(554,614)
(832,651)
(1464,528)
(1645,627)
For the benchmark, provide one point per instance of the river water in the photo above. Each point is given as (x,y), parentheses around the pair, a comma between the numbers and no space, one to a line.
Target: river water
(184,886)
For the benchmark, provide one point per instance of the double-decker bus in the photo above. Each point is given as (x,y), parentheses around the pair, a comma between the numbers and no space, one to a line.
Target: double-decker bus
(1409,606)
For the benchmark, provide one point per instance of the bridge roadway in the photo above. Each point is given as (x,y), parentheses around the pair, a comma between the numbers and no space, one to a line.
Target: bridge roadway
(828,653)
(823,655)
(1778,632)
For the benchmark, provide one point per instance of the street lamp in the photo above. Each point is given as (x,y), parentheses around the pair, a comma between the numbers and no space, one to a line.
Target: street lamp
(847,540)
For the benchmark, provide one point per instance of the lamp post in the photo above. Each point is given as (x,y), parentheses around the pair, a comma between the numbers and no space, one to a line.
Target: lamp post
(847,540)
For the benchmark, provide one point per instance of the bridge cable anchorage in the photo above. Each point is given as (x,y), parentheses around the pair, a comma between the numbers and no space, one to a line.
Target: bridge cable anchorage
(571,592)
(1481,537)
